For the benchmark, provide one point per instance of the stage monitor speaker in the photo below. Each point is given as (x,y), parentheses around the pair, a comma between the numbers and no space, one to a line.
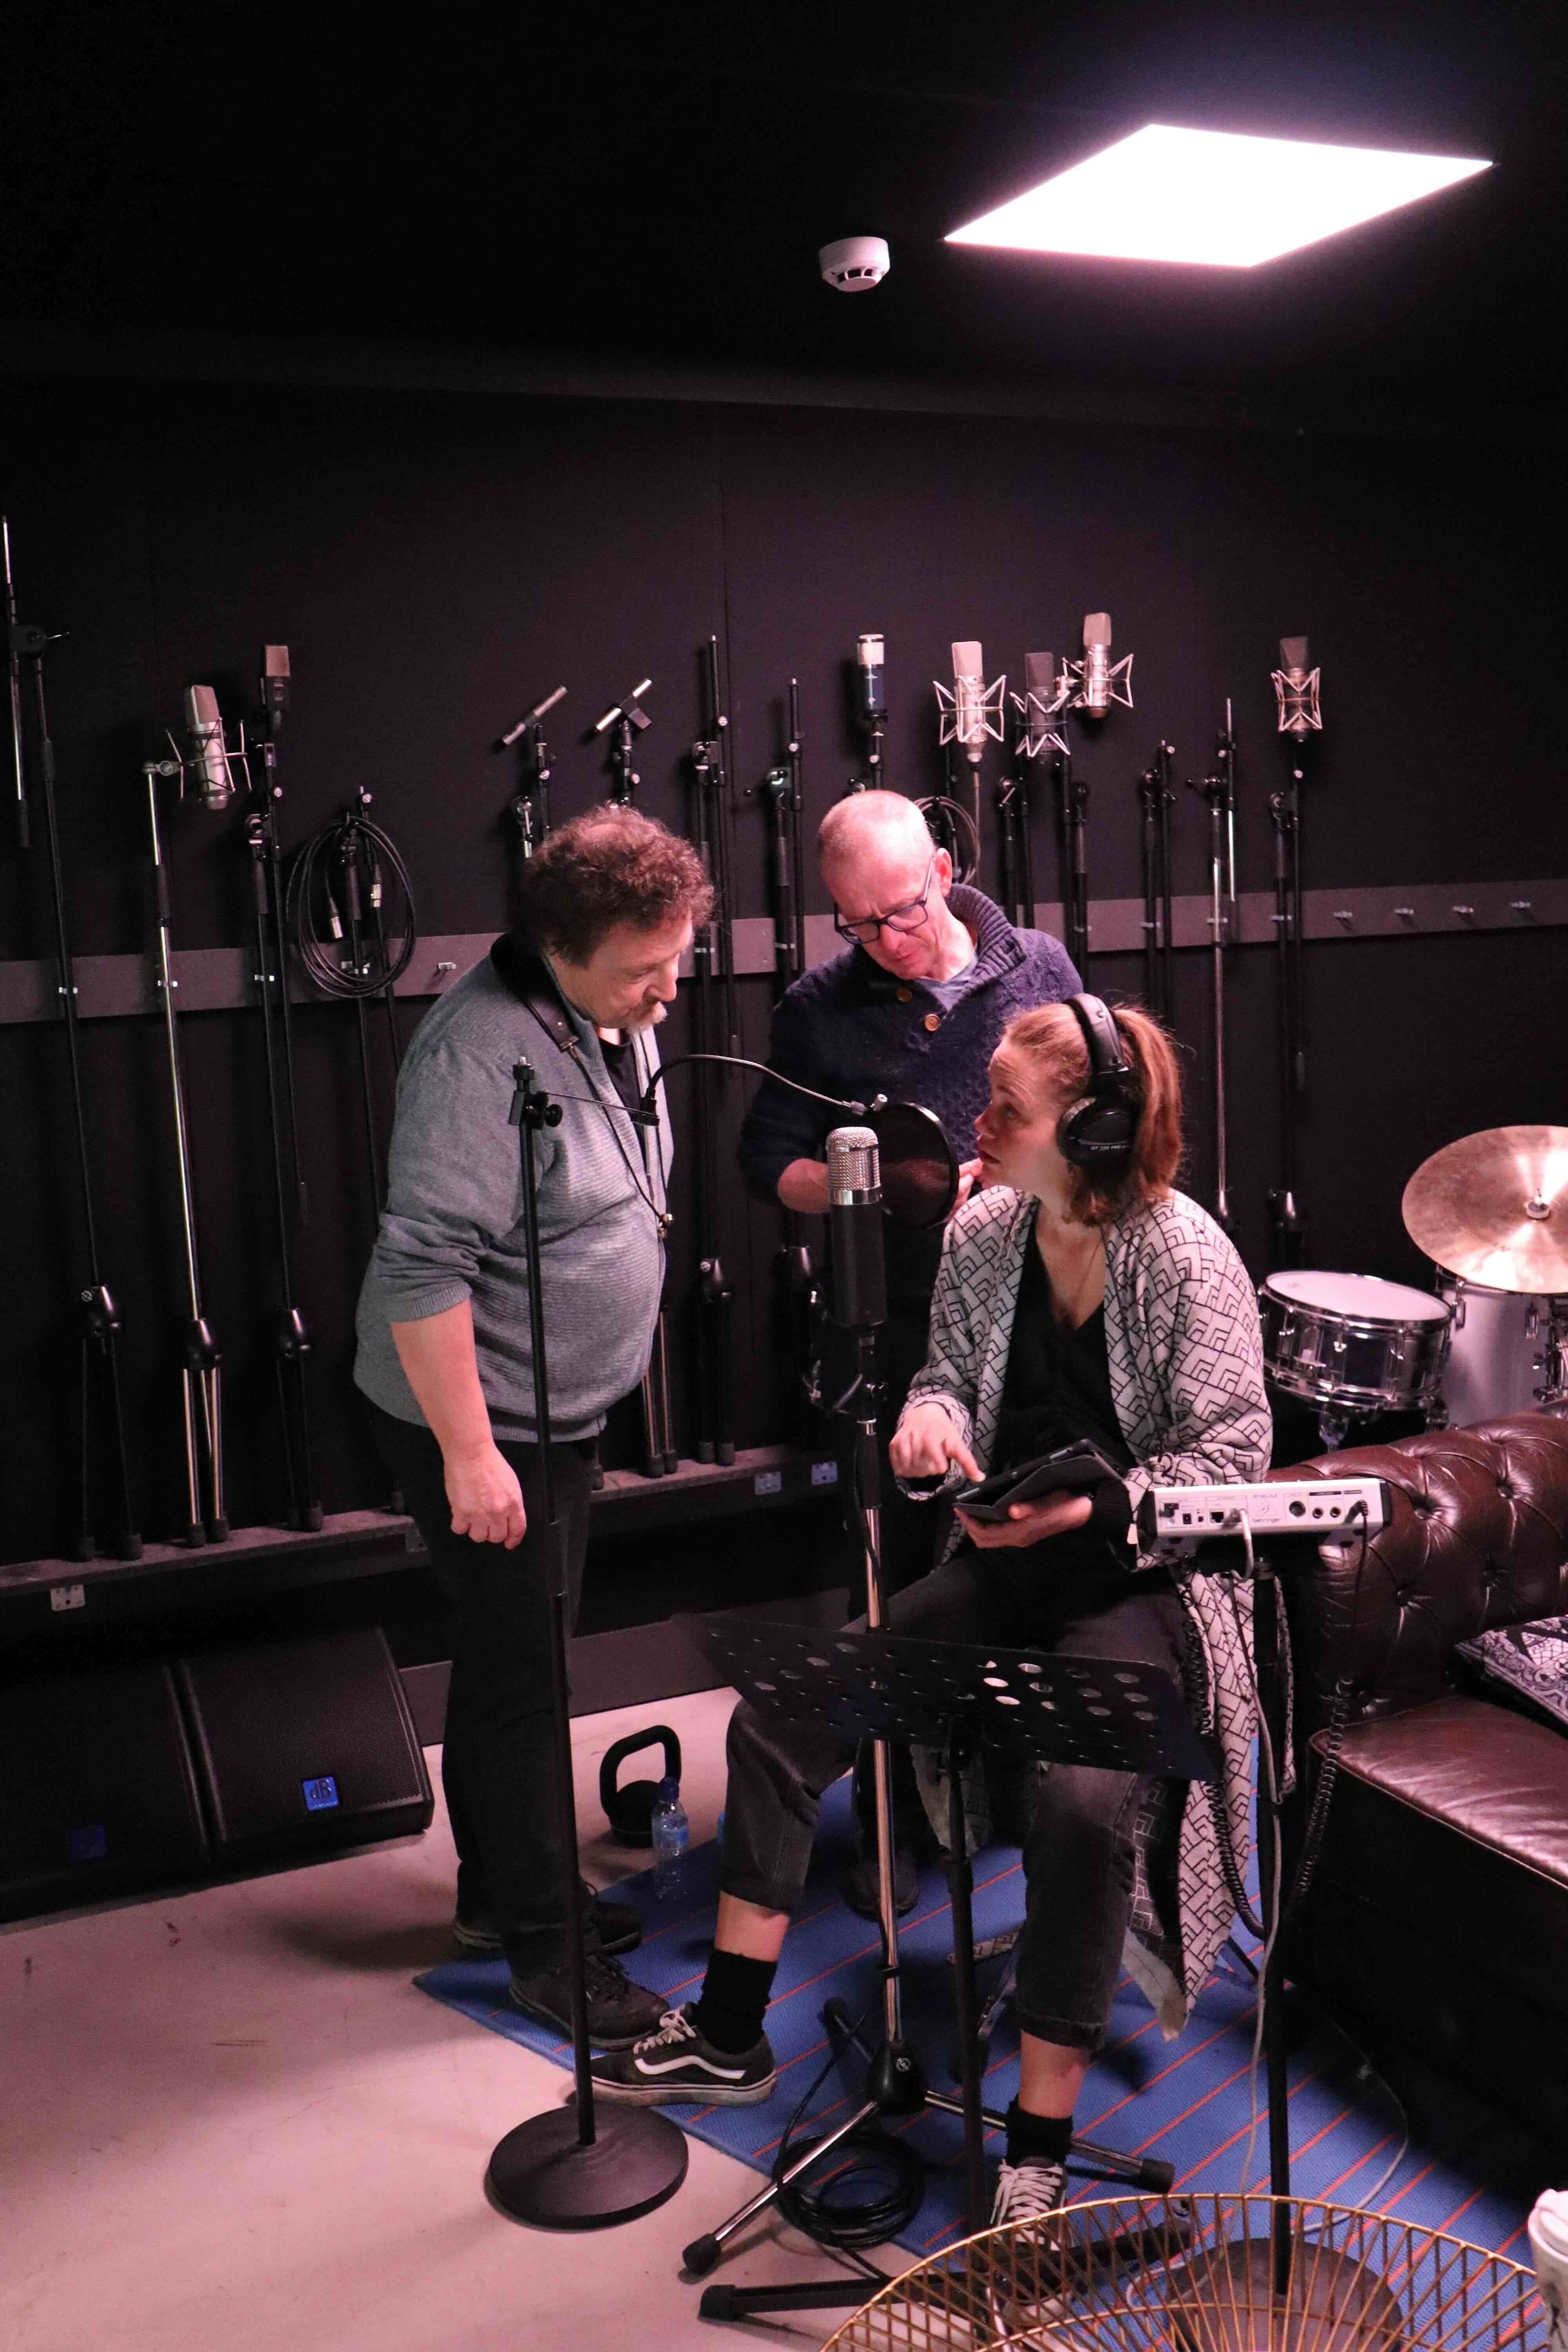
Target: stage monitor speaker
(304,1746)
(97,1791)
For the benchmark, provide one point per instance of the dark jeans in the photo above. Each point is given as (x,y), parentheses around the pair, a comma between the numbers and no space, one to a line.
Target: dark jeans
(498,1762)
(1078,1856)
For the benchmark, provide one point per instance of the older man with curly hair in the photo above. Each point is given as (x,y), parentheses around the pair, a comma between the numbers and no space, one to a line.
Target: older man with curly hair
(609,905)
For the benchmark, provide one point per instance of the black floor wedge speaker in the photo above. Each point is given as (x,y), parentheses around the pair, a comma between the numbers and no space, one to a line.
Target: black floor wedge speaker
(303,1746)
(97,1791)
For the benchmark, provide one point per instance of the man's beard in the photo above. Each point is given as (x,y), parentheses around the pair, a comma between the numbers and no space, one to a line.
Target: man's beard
(647,1017)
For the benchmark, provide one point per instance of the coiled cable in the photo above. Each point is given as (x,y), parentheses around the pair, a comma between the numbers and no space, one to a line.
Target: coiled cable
(832,2213)
(350,908)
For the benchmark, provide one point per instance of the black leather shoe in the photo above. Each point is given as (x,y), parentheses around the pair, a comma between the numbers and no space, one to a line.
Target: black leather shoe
(618,1925)
(858,1883)
(619,2012)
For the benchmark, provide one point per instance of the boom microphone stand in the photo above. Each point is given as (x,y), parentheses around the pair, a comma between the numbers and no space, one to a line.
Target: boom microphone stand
(1219,792)
(1156,799)
(291,1340)
(715,1027)
(796,1291)
(530,805)
(98,1317)
(571,2167)
(1296,693)
(202,1359)
(630,719)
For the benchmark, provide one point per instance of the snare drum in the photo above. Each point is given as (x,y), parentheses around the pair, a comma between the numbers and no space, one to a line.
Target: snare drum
(1351,1340)
(1498,1360)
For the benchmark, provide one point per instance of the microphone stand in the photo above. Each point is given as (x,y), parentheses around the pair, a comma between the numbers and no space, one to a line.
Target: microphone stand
(292,1340)
(570,2168)
(797,1289)
(98,1315)
(202,1359)
(717,1033)
(530,804)
(1285,1221)
(1156,799)
(1219,790)
(1072,807)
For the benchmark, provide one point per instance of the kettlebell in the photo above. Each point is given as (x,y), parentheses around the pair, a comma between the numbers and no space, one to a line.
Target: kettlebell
(629,1811)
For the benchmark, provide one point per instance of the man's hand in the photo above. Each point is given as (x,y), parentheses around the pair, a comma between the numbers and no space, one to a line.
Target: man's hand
(925,1442)
(1028,1522)
(968,1177)
(486,1499)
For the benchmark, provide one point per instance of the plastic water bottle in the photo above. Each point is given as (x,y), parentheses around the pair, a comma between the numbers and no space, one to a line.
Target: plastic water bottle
(671,1837)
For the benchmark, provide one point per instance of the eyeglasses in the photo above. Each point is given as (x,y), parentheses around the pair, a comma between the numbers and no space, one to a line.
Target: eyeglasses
(906,918)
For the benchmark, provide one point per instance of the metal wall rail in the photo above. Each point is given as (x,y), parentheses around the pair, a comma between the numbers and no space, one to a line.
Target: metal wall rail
(222,979)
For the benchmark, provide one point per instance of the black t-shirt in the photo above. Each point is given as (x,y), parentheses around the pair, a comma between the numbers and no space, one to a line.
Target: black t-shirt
(1057,1391)
(621,1062)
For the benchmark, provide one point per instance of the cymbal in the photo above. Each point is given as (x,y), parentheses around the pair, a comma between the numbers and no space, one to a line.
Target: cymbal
(1493,1208)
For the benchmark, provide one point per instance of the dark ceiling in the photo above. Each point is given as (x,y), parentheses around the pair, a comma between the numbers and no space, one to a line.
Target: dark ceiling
(655,186)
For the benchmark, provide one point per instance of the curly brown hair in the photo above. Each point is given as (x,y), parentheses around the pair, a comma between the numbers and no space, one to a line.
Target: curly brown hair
(610,866)
(1051,1046)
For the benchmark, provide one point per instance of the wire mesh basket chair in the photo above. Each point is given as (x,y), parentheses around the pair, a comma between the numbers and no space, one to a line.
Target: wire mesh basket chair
(1207,2274)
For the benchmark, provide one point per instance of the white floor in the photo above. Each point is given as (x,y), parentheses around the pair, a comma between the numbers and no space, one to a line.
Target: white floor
(228,2121)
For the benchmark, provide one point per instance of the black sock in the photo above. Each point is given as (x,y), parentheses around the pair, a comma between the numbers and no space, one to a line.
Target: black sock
(734,2001)
(1038,2139)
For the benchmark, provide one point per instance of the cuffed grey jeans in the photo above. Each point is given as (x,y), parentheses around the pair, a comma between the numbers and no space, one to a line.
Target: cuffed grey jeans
(1079,1854)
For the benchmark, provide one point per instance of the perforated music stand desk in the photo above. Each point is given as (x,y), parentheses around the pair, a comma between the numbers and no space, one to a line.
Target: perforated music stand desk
(1112,1713)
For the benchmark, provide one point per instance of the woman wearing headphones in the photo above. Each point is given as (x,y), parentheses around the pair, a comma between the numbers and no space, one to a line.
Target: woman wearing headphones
(1081,1299)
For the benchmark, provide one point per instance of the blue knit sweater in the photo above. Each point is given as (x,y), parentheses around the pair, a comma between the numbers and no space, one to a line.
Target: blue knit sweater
(849,1028)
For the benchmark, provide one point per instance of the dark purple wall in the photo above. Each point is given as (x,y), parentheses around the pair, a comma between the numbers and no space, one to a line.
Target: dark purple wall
(436,563)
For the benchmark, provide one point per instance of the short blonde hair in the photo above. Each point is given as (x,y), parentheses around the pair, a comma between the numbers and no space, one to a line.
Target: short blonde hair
(1049,1045)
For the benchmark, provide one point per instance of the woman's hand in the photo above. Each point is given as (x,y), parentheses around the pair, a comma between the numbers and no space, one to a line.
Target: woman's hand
(1028,1522)
(968,1177)
(925,1442)
(486,1499)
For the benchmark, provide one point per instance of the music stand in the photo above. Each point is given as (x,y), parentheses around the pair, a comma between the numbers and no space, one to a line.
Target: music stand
(1114,1713)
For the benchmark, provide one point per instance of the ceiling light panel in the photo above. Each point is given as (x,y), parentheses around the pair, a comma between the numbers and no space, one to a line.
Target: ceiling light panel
(1211,196)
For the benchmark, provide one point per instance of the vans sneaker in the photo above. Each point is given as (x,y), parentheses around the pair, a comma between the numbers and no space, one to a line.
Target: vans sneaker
(679,2063)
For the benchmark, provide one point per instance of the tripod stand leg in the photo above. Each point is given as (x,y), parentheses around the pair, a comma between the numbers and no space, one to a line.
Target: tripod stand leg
(701,2255)
(195,1533)
(212,1397)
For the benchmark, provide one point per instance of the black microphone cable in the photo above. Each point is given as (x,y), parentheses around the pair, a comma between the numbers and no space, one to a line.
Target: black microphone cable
(338,898)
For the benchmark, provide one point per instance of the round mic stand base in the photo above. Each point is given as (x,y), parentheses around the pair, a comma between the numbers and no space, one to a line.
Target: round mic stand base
(541,2172)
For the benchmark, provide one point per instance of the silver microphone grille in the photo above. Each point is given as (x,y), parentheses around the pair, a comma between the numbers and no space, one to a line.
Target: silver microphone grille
(853,1173)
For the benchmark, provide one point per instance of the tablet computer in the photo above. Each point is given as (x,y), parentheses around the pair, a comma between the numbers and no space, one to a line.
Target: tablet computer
(1072,1470)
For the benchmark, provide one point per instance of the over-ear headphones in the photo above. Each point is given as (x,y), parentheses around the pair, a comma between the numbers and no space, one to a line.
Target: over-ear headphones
(1099,1131)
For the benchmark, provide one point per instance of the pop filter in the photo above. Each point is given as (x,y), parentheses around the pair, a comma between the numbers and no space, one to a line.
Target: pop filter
(919,1164)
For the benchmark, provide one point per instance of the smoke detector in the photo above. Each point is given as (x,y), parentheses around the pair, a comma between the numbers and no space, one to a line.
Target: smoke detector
(853,264)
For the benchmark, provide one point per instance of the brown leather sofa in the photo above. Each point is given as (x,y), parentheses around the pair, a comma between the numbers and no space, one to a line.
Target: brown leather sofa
(1438,1914)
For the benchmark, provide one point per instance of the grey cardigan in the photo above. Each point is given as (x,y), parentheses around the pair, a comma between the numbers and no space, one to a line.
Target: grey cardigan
(1186,1378)
(452,1227)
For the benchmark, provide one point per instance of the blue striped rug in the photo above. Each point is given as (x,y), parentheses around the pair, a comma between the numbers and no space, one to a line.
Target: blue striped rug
(1464,2169)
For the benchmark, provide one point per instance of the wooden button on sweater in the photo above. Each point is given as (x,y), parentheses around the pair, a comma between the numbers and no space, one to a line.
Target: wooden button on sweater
(933,1021)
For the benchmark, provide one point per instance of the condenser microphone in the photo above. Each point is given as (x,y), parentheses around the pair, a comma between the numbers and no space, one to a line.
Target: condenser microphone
(969,729)
(855,1218)
(872,693)
(1295,690)
(205,758)
(275,687)
(1097,664)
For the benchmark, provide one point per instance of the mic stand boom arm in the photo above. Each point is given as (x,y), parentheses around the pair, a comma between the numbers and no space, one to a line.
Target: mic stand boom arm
(292,1339)
(530,805)
(1285,1221)
(202,1359)
(99,1317)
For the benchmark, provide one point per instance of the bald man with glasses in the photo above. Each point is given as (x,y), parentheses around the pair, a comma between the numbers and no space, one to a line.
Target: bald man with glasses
(914,1008)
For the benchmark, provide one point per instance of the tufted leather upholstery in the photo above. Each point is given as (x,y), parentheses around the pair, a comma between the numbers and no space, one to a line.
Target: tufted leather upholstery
(1479,1539)
(1439,1909)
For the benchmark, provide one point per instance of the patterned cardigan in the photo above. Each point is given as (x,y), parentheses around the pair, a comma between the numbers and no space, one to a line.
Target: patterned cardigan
(1186,1378)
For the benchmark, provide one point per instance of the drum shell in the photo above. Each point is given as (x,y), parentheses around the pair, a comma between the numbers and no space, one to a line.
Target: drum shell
(1332,1354)
(1497,1362)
